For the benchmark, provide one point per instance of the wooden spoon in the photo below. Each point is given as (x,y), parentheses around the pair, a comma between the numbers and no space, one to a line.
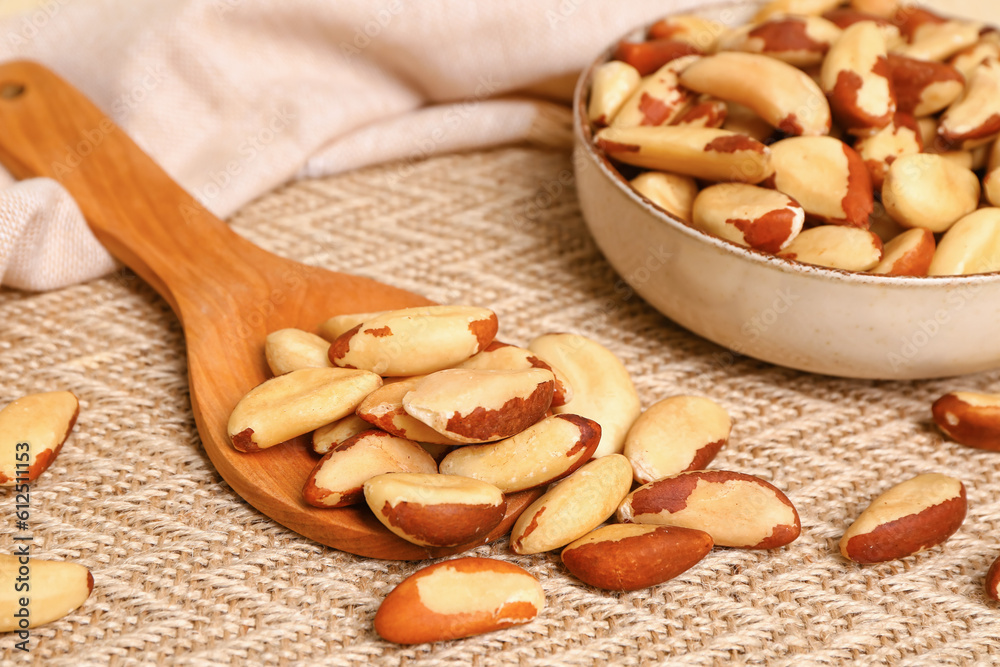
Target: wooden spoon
(228,293)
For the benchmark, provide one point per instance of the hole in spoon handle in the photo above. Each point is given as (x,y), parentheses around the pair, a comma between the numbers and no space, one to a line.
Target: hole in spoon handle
(11,91)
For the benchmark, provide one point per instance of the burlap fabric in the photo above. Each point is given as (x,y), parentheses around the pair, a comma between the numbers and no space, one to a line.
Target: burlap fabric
(188,574)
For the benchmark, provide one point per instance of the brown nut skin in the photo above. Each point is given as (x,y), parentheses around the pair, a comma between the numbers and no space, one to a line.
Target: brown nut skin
(924,87)
(42,422)
(706,153)
(972,245)
(383,408)
(539,455)
(647,57)
(912,516)
(435,510)
(506,357)
(630,556)
(911,18)
(677,434)
(845,17)
(657,100)
(802,41)
(706,112)
(694,30)
(337,479)
(879,150)
(992,583)
(828,178)
(54,589)
(976,115)
(970,419)
(748,215)
(415,341)
(844,248)
(858,80)
(475,406)
(458,598)
(737,510)
(789,100)
(909,254)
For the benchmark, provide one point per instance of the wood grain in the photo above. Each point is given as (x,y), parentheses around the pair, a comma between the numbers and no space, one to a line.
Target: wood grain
(228,293)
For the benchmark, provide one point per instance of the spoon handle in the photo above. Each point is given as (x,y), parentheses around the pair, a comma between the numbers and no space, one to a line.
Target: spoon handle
(48,128)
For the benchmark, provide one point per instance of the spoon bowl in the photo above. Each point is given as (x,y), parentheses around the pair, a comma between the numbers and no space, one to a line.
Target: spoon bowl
(227,293)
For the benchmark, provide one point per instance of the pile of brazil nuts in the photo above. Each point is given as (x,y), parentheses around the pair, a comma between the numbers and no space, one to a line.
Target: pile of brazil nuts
(856,135)
(34,592)
(424,417)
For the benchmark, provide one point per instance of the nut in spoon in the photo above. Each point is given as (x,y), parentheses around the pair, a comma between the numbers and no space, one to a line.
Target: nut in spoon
(227,293)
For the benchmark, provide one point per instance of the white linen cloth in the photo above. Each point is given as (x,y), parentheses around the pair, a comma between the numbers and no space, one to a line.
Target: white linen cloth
(235,97)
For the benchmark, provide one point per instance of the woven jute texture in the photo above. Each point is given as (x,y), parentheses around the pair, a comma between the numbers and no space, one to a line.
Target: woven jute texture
(186,573)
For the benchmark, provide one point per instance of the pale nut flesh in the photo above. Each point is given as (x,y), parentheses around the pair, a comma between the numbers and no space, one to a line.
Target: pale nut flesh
(826,177)
(991,187)
(912,516)
(333,328)
(289,350)
(504,357)
(539,455)
(658,99)
(967,60)
(929,191)
(909,254)
(338,478)
(297,403)
(699,32)
(939,41)
(883,8)
(749,215)
(56,589)
(845,17)
(969,418)
(743,120)
(858,80)
(458,598)
(673,193)
(707,153)
(415,341)
(845,248)
(972,245)
(474,406)
(923,87)
(384,408)
(435,510)
(784,96)
(573,507)
(802,41)
(675,435)
(706,111)
(327,437)
(32,431)
(976,115)
(879,150)
(737,510)
(614,82)
(631,556)
(884,226)
(800,7)
(602,388)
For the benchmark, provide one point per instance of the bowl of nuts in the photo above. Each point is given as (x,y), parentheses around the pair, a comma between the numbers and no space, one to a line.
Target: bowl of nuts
(810,184)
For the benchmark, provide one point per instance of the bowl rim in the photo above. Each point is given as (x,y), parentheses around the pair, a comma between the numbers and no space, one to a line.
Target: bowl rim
(583,136)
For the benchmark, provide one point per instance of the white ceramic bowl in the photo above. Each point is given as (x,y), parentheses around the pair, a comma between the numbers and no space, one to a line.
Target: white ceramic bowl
(796,315)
